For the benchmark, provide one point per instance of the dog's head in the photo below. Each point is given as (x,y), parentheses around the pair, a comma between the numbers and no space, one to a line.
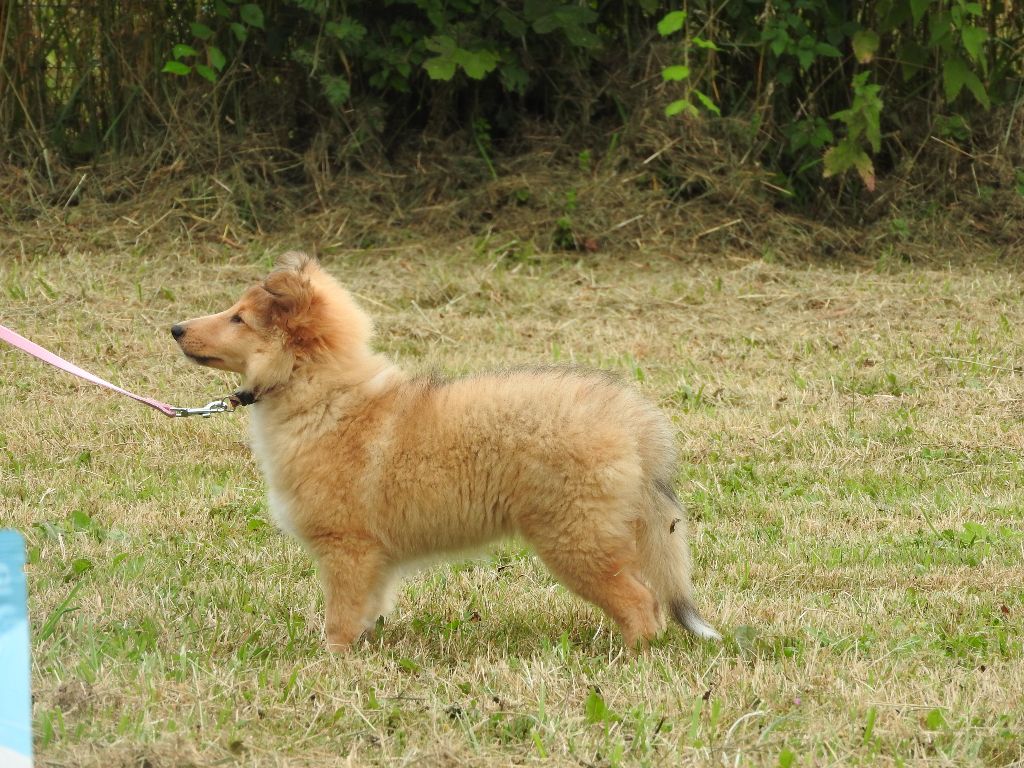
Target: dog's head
(298,314)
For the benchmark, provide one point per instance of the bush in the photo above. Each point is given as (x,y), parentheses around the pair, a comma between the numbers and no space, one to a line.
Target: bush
(822,88)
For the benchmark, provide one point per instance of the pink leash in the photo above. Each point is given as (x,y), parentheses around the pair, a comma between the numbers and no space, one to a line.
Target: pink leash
(12,338)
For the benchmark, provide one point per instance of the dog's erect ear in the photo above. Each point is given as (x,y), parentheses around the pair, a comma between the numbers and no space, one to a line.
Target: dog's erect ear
(315,313)
(290,293)
(297,261)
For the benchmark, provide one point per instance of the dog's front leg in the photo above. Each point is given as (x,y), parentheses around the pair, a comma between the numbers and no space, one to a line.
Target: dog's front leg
(351,571)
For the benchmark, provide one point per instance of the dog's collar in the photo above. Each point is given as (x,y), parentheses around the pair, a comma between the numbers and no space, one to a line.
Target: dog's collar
(242,397)
(224,405)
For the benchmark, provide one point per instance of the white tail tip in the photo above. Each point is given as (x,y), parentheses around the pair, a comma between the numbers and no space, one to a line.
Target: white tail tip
(701,629)
(687,615)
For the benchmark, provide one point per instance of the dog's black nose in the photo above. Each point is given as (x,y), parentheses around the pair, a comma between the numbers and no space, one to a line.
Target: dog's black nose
(177,331)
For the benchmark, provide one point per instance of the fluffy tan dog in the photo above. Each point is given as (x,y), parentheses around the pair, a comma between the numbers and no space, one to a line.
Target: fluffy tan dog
(373,470)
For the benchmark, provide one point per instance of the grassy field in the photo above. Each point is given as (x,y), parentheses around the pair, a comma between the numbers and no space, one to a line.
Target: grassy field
(851,461)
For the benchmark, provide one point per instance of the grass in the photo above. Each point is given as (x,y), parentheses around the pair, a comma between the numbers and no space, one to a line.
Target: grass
(851,462)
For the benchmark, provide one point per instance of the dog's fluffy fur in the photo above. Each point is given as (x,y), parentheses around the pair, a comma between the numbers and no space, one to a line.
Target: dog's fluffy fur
(373,470)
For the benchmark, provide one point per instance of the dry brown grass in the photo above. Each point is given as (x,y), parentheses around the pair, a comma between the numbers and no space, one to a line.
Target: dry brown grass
(851,441)
(676,186)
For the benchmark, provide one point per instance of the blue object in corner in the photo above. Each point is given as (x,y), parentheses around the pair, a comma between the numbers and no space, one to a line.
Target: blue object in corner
(15,698)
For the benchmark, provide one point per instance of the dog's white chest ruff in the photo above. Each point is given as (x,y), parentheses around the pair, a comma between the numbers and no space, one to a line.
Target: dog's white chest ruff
(279,504)
(280,511)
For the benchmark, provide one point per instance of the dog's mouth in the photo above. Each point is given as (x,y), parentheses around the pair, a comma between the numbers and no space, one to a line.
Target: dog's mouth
(204,360)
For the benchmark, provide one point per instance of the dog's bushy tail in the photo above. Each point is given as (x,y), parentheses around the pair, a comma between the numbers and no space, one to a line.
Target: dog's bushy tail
(665,558)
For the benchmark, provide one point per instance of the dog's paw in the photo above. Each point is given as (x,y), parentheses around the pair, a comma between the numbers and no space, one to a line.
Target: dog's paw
(340,647)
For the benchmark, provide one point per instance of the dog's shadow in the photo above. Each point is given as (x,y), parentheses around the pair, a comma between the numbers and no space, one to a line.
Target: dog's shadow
(457,640)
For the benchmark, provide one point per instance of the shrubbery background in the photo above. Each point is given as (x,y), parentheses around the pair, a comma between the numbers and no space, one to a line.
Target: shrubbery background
(826,108)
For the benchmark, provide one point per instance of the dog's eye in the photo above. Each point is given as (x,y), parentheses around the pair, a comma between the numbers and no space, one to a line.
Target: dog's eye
(237,319)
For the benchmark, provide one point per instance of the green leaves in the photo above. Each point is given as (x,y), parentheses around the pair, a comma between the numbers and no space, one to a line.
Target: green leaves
(706,102)
(546,16)
(956,74)
(512,24)
(201,31)
(176,68)
(846,155)
(477,64)
(346,29)
(78,566)
(934,720)
(252,15)
(217,58)
(862,120)
(810,132)
(678,106)
(408,665)
(669,24)
(672,22)
(973,38)
(807,50)
(700,42)
(944,32)
(866,111)
(440,68)
(596,710)
(249,16)
(913,58)
(337,89)
(206,72)
(214,62)
(918,8)
(801,47)
(865,44)
(675,73)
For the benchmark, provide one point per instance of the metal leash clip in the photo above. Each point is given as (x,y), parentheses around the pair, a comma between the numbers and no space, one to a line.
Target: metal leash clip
(224,405)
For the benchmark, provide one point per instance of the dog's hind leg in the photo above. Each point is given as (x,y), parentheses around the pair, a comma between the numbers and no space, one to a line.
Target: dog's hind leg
(353,572)
(601,567)
(382,600)
(665,558)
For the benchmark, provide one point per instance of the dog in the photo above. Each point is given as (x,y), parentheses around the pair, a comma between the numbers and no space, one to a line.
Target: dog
(374,470)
